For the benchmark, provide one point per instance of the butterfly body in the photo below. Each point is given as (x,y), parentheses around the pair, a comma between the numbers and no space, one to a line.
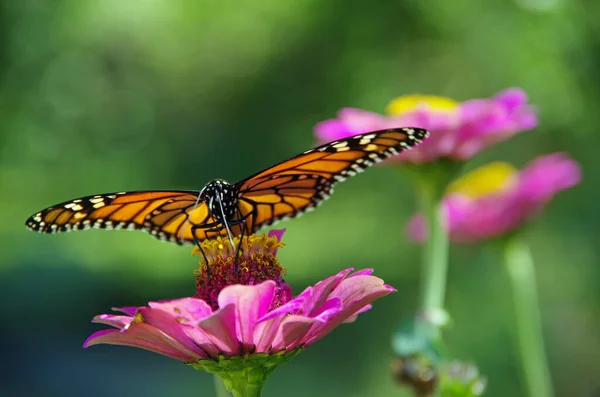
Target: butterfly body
(282,191)
(220,195)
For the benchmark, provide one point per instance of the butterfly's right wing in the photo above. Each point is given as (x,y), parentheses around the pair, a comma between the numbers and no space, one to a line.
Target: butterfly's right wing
(300,183)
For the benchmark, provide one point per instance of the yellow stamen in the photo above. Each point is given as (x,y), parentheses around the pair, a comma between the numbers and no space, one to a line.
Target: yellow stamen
(408,103)
(255,263)
(138,318)
(220,248)
(487,179)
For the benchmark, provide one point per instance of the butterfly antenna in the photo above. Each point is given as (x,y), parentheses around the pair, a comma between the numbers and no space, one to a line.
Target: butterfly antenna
(226,224)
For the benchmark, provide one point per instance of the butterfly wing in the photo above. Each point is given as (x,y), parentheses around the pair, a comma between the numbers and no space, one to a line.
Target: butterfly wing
(166,215)
(304,181)
(284,190)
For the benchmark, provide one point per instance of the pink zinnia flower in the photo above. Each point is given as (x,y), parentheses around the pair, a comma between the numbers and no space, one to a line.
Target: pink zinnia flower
(496,199)
(244,315)
(458,130)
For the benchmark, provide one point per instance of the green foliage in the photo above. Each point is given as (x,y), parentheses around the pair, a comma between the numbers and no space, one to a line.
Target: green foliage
(462,380)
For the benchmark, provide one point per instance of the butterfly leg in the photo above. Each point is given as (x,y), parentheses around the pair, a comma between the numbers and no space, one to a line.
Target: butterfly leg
(227,223)
(217,227)
(197,242)
(244,231)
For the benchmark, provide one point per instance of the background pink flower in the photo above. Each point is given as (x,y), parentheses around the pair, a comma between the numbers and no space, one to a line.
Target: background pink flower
(457,132)
(496,213)
(189,329)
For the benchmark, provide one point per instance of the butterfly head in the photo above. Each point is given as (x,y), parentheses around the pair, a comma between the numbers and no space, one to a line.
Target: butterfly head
(221,198)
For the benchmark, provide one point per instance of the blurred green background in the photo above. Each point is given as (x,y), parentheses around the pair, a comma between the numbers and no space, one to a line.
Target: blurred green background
(111,95)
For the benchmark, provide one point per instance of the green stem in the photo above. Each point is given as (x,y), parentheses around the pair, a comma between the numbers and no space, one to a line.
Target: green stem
(243,376)
(220,389)
(246,382)
(519,264)
(431,182)
(435,266)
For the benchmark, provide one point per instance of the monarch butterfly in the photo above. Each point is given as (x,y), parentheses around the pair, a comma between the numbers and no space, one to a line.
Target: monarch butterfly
(189,216)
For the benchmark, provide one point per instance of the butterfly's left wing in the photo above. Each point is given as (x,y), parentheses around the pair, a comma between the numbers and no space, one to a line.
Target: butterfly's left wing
(166,215)
(304,181)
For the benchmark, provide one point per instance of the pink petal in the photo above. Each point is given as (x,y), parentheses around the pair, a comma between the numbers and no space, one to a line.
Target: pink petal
(266,331)
(468,148)
(493,215)
(292,331)
(353,317)
(93,339)
(293,328)
(331,130)
(276,233)
(355,293)
(526,120)
(425,118)
(267,327)
(512,99)
(251,303)
(186,310)
(362,272)
(455,134)
(416,229)
(202,340)
(329,309)
(317,295)
(354,290)
(350,121)
(146,337)
(545,176)
(221,330)
(114,320)
(130,310)
(473,109)
(359,121)
(166,323)
(457,208)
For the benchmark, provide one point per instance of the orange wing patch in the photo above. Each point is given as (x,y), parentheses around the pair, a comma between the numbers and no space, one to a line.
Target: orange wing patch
(286,197)
(303,182)
(107,211)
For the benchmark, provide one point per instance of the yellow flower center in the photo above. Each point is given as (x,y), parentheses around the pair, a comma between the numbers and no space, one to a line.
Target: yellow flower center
(485,180)
(220,250)
(255,263)
(408,103)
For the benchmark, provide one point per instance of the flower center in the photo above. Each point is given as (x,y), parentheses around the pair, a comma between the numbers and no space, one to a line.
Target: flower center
(255,263)
(408,103)
(488,179)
